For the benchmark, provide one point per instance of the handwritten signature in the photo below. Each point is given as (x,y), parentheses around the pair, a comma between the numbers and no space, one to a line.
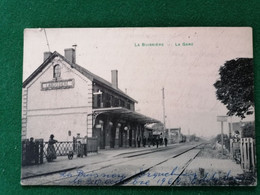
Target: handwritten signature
(94,178)
(143,178)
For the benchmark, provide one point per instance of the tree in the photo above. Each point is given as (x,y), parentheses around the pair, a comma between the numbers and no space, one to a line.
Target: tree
(248,130)
(236,86)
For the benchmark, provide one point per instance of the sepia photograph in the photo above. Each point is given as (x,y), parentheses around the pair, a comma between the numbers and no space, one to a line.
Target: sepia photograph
(171,106)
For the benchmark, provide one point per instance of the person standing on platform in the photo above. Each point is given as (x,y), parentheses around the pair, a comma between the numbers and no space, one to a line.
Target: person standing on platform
(80,149)
(144,141)
(157,141)
(165,141)
(138,141)
(31,151)
(149,141)
(161,139)
(51,153)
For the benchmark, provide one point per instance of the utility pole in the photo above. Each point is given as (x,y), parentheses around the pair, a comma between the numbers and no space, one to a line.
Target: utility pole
(222,140)
(222,119)
(230,135)
(163,102)
(231,127)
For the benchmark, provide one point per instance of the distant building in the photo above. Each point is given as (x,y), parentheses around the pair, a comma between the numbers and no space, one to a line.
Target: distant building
(155,129)
(64,99)
(175,135)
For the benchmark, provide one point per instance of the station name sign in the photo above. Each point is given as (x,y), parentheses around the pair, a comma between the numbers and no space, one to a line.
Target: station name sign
(222,118)
(60,84)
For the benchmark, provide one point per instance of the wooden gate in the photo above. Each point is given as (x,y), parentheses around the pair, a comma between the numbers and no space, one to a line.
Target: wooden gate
(92,144)
(247,154)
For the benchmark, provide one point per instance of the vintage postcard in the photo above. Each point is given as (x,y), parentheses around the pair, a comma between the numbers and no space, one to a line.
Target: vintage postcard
(138,107)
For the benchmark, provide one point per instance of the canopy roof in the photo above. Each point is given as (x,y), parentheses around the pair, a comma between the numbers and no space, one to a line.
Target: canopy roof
(126,114)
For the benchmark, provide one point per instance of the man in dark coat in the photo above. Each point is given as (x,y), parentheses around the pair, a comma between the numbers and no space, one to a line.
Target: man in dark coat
(157,141)
(165,141)
(31,151)
(138,141)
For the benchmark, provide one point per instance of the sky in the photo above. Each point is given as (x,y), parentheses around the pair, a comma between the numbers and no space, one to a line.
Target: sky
(186,72)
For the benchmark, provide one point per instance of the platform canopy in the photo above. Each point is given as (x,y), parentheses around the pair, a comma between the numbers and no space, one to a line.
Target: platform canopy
(126,114)
(157,128)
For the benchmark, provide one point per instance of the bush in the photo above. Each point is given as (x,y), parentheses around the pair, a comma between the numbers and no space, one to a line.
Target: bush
(226,140)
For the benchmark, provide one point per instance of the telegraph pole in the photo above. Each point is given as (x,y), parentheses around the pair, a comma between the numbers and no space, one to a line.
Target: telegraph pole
(163,102)
(222,140)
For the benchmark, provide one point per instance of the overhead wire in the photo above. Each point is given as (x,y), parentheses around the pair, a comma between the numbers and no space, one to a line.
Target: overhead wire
(47,40)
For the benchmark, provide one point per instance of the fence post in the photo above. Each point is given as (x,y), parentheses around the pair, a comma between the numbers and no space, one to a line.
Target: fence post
(252,153)
(24,152)
(242,153)
(231,148)
(40,149)
(246,154)
(36,155)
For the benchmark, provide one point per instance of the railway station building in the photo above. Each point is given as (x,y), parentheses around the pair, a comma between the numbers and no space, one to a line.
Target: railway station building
(62,98)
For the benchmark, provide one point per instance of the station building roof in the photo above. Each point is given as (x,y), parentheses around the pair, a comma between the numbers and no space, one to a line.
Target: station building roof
(126,114)
(80,69)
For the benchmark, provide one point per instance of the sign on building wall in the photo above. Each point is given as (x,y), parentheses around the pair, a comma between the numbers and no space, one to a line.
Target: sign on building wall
(62,84)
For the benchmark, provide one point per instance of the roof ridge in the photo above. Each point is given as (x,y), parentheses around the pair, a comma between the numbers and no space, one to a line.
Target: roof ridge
(79,68)
(100,79)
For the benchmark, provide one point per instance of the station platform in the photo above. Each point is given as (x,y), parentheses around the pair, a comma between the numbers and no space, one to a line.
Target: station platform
(62,163)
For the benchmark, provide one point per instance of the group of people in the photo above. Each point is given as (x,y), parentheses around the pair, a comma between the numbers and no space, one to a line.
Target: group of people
(158,140)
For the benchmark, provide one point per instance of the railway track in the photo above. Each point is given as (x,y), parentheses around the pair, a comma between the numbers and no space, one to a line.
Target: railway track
(160,166)
(164,173)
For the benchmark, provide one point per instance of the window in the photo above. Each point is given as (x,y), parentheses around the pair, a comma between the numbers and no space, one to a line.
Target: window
(116,102)
(122,103)
(107,100)
(56,71)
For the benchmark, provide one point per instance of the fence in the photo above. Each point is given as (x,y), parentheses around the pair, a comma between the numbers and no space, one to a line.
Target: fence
(62,148)
(247,154)
(35,152)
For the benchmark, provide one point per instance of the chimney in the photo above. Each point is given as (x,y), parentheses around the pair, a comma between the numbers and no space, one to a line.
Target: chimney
(114,78)
(46,55)
(70,55)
